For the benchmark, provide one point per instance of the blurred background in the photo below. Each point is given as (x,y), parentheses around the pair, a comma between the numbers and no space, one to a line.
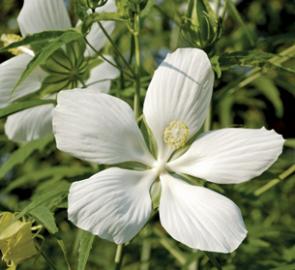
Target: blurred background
(251,90)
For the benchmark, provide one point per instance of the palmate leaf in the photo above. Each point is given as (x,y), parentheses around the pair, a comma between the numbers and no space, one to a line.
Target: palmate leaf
(21,154)
(19,106)
(45,36)
(41,57)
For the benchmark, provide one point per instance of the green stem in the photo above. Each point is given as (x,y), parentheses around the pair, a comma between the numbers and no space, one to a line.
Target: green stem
(115,47)
(236,16)
(136,104)
(119,257)
(101,55)
(48,260)
(168,245)
(256,73)
(207,124)
(145,255)
(273,182)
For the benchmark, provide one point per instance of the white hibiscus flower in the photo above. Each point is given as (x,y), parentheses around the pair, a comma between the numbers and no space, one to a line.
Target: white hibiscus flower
(116,203)
(37,16)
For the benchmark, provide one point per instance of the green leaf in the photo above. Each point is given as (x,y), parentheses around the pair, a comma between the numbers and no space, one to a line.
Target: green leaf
(147,9)
(236,15)
(21,154)
(33,39)
(44,216)
(19,106)
(216,65)
(59,191)
(271,92)
(290,143)
(85,244)
(41,57)
(225,111)
(58,173)
(253,58)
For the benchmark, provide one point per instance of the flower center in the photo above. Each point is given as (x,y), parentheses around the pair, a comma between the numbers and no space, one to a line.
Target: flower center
(176,134)
(159,166)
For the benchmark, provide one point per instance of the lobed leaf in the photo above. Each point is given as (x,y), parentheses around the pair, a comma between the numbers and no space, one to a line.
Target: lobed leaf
(47,51)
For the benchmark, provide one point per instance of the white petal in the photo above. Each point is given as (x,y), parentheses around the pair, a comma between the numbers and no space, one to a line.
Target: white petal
(10,72)
(101,76)
(230,155)
(98,128)
(43,15)
(96,37)
(180,90)
(200,218)
(30,124)
(113,204)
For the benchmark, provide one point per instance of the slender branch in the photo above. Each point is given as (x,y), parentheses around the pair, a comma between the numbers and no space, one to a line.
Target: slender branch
(136,104)
(207,124)
(172,249)
(46,258)
(101,55)
(145,255)
(255,73)
(275,181)
(115,47)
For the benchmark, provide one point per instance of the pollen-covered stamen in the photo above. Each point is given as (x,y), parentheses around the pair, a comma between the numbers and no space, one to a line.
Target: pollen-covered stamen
(176,134)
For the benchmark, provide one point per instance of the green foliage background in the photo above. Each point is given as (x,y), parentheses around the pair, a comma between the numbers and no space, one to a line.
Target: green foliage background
(252,89)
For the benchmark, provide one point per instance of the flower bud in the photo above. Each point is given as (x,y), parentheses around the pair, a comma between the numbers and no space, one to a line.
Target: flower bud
(200,26)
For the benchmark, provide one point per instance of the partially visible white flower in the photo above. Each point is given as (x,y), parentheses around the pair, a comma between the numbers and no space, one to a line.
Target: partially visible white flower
(37,16)
(115,203)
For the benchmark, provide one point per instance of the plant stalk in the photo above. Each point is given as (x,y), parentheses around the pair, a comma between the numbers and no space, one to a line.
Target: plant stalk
(119,257)
(136,101)
(275,181)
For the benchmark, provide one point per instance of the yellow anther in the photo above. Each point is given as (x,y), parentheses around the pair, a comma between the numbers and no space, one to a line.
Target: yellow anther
(176,134)
(7,39)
